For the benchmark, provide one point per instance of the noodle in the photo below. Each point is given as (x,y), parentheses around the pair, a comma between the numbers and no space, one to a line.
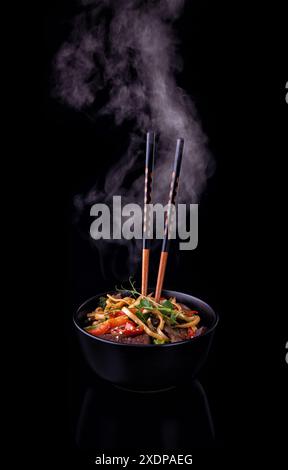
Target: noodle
(164,322)
(140,323)
(161,325)
(194,322)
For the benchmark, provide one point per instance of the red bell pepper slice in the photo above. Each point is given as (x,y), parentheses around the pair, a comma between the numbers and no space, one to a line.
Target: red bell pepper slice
(130,329)
(107,325)
(191,333)
(190,313)
(117,313)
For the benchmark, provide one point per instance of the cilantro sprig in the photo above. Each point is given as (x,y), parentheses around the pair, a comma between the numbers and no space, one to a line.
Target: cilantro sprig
(166,309)
(133,291)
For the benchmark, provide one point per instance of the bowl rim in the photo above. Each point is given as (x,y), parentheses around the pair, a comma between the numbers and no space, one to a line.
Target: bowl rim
(168,345)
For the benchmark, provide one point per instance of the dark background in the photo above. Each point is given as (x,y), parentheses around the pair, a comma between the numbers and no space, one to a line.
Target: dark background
(233,69)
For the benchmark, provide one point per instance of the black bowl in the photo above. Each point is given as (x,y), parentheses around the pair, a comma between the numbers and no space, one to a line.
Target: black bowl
(152,366)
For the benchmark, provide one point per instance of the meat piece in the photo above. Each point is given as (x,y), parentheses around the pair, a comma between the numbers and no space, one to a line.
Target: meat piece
(176,334)
(139,339)
(200,331)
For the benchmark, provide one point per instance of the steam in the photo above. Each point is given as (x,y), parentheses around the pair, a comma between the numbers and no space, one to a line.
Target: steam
(128,49)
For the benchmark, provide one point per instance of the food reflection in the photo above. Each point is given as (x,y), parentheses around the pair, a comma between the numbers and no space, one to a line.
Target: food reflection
(112,418)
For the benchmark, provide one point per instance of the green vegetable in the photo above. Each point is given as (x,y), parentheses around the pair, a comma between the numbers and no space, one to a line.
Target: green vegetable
(170,319)
(92,327)
(142,316)
(168,304)
(102,302)
(145,303)
(132,291)
(167,309)
(159,341)
(173,318)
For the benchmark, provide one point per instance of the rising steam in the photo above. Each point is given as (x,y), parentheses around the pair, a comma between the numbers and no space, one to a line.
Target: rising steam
(134,56)
(128,48)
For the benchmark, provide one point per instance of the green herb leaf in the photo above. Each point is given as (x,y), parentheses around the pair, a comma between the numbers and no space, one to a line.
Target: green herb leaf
(142,316)
(145,303)
(131,291)
(168,304)
(173,318)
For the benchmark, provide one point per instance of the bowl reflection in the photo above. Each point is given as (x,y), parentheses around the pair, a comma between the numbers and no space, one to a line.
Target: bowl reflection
(112,418)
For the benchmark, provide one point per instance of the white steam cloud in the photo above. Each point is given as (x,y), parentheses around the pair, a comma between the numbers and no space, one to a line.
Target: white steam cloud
(129,49)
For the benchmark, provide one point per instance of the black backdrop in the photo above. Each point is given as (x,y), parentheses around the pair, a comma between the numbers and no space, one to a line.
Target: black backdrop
(233,69)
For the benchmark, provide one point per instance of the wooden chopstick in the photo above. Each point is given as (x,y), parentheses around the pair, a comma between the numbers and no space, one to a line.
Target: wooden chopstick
(172,197)
(149,168)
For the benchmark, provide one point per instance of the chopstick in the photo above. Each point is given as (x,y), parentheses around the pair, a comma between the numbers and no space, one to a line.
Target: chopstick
(149,167)
(168,217)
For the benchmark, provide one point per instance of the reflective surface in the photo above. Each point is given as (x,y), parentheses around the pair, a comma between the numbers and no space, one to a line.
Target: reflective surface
(111,418)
